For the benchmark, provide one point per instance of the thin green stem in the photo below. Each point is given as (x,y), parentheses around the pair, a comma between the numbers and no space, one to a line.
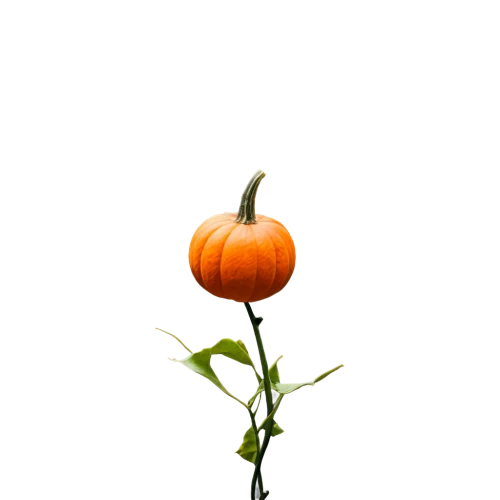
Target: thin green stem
(269,399)
(269,431)
(255,430)
(236,399)
(179,340)
(251,401)
(260,457)
(265,368)
(258,402)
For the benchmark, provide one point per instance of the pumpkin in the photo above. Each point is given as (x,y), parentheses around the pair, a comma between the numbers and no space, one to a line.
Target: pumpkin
(242,256)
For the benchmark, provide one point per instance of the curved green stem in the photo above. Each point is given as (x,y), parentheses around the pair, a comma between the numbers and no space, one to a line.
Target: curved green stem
(236,398)
(269,400)
(260,389)
(260,458)
(265,368)
(246,213)
(256,431)
(258,402)
(179,340)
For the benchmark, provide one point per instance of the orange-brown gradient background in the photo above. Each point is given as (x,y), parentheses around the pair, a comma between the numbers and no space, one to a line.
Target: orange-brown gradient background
(118,129)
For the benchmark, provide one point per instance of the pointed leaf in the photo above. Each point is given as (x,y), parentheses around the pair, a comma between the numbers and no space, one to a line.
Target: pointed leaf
(277,430)
(248,449)
(232,350)
(274,374)
(242,345)
(199,363)
(288,388)
(271,415)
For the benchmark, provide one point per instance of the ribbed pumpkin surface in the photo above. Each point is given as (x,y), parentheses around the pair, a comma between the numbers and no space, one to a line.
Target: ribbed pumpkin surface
(242,262)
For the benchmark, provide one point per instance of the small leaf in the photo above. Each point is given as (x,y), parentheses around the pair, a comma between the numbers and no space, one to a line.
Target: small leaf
(271,415)
(199,363)
(232,350)
(288,388)
(277,430)
(274,374)
(248,449)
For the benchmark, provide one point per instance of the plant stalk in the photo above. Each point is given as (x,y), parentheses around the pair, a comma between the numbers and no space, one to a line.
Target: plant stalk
(255,430)
(269,401)
(258,463)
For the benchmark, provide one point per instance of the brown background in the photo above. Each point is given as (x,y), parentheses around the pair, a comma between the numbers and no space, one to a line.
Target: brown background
(119,129)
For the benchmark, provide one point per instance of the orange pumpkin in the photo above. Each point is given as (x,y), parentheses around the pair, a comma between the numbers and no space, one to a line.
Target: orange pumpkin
(242,256)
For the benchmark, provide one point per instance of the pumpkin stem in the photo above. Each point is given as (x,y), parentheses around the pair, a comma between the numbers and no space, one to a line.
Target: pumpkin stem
(246,214)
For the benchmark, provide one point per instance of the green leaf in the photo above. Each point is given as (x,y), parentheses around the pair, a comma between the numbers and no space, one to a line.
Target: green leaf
(277,430)
(227,347)
(271,415)
(242,345)
(199,363)
(234,350)
(274,374)
(288,388)
(248,449)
